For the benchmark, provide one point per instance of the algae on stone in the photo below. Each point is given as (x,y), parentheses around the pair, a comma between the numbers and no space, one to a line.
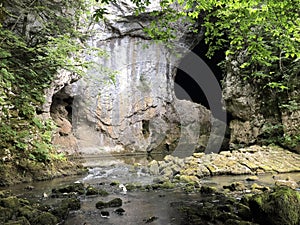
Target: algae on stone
(280,207)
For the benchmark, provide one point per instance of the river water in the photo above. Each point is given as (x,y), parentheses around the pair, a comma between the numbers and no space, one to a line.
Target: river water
(158,207)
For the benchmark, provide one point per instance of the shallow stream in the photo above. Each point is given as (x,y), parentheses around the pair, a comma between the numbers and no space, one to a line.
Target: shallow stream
(141,207)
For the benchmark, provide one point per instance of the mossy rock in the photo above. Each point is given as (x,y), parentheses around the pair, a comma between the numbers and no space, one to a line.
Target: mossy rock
(235,186)
(207,189)
(243,211)
(19,221)
(11,202)
(28,212)
(6,214)
(71,188)
(280,207)
(167,185)
(130,187)
(101,205)
(72,203)
(61,211)
(45,218)
(117,202)
(164,185)
(114,183)
(90,190)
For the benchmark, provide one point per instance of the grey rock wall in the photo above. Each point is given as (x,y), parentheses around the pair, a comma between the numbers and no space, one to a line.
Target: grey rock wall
(137,109)
(258,117)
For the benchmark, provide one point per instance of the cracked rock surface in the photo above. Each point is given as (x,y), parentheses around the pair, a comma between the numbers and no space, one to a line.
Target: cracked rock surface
(127,101)
(251,160)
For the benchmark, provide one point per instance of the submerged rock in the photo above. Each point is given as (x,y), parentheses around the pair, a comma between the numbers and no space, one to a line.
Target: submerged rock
(120,211)
(150,219)
(236,186)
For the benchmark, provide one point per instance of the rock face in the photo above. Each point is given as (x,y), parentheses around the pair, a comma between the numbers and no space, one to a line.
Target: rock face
(127,101)
(58,106)
(256,115)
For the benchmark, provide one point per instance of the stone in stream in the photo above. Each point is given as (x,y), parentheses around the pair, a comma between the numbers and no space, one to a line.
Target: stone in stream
(120,211)
(235,186)
(117,202)
(287,183)
(61,211)
(252,178)
(256,186)
(153,167)
(104,214)
(90,190)
(150,219)
(278,207)
(75,188)
(45,218)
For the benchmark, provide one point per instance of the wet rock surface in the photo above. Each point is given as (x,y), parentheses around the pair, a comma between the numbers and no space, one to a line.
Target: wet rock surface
(21,211)
(252,160)
(280,206)
(180,191)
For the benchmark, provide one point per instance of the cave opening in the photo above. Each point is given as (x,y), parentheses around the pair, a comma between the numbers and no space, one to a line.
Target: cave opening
(61,106)
(186,88)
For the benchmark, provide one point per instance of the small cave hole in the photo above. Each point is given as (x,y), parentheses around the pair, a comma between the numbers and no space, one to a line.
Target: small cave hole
(61,106)
(146,128)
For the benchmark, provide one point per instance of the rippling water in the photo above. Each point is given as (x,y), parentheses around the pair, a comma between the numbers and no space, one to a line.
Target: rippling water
(140,206)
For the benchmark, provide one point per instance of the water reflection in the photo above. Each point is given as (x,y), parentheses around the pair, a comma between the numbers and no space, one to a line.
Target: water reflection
(139,206)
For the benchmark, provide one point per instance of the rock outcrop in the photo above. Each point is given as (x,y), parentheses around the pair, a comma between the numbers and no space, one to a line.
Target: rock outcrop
(259,116)
(250,160)
(127,101)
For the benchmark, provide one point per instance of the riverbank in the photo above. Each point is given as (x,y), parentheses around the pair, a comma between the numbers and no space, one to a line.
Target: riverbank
(253,160)
(224,188)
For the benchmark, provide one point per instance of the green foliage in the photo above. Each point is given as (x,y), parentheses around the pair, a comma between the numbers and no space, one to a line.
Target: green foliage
(274,134)
(263,35)
(37,40)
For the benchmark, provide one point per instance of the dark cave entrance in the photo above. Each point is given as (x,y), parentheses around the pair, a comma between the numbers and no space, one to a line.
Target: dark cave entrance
(186,88)
(62,105)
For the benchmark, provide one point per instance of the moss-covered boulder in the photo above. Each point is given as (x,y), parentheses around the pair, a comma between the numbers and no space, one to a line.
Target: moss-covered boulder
(117,202)
(5,214)
(90,190)
(11,202)
(45,218)
(279,207)
(76,188)
(61,210)
(29,212)
(19,221)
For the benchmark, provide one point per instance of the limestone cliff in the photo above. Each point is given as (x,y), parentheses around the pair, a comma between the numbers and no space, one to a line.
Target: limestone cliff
(127,102)
(260,116)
